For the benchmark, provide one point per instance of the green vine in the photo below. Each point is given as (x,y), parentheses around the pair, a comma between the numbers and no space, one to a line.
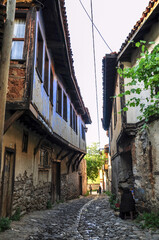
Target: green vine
(144,76)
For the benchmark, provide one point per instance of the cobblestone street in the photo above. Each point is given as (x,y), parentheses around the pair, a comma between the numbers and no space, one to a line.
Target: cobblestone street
(84,218)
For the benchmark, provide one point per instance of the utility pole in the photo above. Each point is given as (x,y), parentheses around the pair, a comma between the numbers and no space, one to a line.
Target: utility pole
(4,64)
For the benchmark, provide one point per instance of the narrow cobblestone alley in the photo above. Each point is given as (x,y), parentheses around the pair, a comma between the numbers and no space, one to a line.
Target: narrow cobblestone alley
(84,218)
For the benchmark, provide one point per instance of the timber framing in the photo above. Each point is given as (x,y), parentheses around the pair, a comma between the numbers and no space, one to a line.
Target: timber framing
(15,116)
(80,159)
(70,161)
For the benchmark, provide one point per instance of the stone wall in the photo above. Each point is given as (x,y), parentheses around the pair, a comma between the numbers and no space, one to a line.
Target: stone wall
(69,186)
(29,197)
(145,154)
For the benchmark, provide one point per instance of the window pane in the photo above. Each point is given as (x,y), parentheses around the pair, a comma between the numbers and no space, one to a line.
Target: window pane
(40,53)
(19,28)
(51,86)
(59,100)
(65,107)
(17,50)
(46,73)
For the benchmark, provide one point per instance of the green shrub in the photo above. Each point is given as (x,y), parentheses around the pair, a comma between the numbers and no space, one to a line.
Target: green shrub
(49,204)
(87,194)
(114,203)
(16,215)
(108,193)
(148,220)
(4,224)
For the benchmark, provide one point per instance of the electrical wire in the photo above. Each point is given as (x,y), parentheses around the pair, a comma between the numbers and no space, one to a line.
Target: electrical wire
(95,26)
(95,72)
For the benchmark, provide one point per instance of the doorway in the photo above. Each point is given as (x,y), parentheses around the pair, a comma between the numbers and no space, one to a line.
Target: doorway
(8,182)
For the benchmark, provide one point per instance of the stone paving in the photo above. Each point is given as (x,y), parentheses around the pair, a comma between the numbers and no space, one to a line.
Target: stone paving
(88,218)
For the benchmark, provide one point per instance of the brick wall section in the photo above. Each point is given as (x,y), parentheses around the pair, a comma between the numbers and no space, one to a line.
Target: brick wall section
(16,82)
(27,196)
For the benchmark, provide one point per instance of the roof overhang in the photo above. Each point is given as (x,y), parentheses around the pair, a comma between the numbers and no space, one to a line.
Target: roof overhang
(109,78)
(58,42)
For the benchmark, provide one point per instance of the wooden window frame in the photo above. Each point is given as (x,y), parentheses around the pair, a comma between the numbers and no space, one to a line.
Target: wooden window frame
(46,73)
(39,55)
(59,100)
(83,132)
(44,158)
(65,107)
(25,141)
(74,120)
(76,125)
(20,16)
(71,119)
(51,86)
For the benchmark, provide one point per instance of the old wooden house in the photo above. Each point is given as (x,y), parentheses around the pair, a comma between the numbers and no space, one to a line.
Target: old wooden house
(44,134)
(134,153)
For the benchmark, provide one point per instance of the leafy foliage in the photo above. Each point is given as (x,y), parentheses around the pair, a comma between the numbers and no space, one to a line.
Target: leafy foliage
(95,159)
(4,224)
(114,203)
(16,215)
(48,204)
(144,76)
(148,220)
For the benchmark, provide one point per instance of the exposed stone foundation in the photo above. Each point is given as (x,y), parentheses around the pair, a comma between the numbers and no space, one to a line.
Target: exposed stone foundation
(27,196)
(69,186)
(146,168)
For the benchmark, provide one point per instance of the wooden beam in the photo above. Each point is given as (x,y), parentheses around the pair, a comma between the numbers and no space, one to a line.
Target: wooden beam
(38,145)
(67,154)
(57,156)
(12,119)
(73,165)
(80,159)
(69,161)
(54,44)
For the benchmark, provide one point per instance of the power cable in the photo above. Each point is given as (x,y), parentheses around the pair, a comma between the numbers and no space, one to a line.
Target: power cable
(95,26)
(95,72)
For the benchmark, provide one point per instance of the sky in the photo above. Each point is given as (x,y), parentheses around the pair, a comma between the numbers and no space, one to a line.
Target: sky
(114,20)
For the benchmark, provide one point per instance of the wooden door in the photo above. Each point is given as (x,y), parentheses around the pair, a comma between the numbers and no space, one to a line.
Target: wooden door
(56,181)
(8,182)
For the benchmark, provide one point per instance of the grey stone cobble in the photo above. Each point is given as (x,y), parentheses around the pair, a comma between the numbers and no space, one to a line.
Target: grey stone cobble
(87,218)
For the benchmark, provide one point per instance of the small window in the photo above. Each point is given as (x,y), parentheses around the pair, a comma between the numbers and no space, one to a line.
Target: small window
(59,100)
(46,73)
(44,158)
(74,121)
(51,86)
(25,142)
(70,115)
(39,59)
(18,39)
(65,107)
(83,132)
(76,126)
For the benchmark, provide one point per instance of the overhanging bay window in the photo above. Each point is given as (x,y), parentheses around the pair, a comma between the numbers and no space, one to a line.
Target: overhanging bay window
(18,39)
